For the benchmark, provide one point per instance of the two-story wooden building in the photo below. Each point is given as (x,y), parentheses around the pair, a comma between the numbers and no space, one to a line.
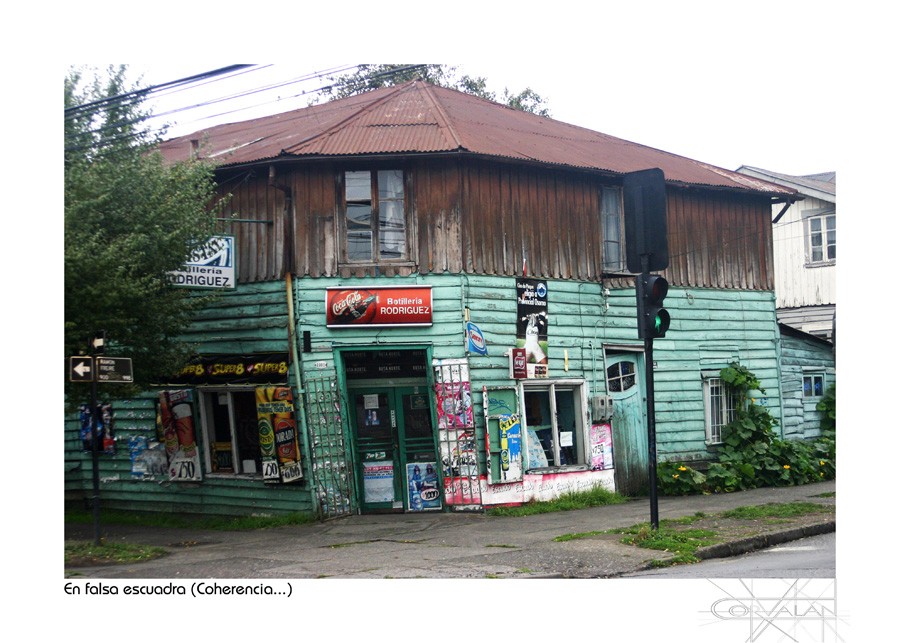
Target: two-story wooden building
(432,312)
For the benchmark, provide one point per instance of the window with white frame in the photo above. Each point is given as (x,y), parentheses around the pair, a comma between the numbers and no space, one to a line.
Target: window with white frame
(230,430)
(612,225)
(821,239)
(719,405)
(814,385)
(374,216)
(555,413)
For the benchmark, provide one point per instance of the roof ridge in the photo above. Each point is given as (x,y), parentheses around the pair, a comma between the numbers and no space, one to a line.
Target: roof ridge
(441,113)
(393,90)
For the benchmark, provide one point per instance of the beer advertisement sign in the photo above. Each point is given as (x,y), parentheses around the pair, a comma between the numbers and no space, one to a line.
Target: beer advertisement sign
(348,307)
(279,447)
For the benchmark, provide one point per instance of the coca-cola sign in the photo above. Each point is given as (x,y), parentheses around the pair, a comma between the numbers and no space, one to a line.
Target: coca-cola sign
(378,306)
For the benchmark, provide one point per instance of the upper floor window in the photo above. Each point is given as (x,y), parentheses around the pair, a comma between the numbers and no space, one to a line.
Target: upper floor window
(821,241)
(374,223)
(613,229)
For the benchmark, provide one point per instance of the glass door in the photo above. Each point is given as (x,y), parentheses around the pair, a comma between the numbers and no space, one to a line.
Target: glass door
(377,448)
(418,454)
(395,449)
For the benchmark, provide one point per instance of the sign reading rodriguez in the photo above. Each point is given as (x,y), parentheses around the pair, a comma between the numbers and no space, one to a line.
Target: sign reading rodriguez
(211,266)
(378,306)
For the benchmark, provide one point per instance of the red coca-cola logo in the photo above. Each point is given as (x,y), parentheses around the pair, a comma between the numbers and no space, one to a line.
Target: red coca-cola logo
(352,306)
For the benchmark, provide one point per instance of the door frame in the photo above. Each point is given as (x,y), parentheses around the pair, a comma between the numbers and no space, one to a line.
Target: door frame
(611,353)
(394,385)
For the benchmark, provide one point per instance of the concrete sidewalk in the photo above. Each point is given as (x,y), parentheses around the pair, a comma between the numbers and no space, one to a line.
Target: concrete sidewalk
(441,545)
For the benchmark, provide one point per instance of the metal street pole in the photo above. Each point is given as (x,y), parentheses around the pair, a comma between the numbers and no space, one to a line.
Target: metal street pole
(651,411)
(97,346)
(95,454)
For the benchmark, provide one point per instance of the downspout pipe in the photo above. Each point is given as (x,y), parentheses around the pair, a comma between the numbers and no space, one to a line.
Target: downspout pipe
(292,326)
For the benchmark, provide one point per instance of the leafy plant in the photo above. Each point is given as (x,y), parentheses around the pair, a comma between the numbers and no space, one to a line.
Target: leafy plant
(751,454)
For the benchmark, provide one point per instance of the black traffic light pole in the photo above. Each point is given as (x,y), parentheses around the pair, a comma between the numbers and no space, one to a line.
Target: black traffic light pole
(651,408)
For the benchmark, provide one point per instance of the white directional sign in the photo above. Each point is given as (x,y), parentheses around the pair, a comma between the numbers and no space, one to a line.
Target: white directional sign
(81,369)
(84,368)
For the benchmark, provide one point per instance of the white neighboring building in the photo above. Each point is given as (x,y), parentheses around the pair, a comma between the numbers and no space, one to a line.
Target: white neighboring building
(805,246)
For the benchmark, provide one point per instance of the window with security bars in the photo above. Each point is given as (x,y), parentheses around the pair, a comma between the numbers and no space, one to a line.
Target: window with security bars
(719,403)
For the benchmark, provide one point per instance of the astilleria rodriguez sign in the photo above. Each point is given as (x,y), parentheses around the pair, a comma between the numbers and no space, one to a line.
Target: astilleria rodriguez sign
(378,306)
(212,265)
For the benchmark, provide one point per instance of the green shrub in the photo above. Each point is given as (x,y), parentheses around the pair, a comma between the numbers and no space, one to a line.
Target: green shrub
(751,455)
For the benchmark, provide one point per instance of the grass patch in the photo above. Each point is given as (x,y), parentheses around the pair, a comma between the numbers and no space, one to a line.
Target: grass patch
(84,553)
(595,497)
(683,543)
(776,510)
(215,523)
(680,537)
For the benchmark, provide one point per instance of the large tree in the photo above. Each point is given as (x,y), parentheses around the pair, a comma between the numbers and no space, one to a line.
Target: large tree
(368,77)
(129,219)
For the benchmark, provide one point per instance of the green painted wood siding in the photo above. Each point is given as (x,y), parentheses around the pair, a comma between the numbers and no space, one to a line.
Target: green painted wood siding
(710,329)
(253,318)
(799,357)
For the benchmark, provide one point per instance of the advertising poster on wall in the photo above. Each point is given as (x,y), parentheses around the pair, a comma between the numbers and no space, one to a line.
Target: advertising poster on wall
(510,448)
(378,306)
(102,419)
(278,443)
(601,447)
(378,481)
(176,416)
(424,492)
(531,324)
(454,405)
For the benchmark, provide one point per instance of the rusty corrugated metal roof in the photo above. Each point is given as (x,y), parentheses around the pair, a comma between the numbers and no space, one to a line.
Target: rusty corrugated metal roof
(418,117)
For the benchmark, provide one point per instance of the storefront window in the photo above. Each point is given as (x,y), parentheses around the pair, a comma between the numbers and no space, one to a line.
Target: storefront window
(554,417)
(231,431)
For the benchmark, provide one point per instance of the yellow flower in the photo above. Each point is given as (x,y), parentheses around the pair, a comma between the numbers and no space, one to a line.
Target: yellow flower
(682,468)
(787,466)
(821,463)
(675,475)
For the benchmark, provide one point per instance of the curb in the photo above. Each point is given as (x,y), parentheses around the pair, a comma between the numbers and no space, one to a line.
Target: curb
(755,543)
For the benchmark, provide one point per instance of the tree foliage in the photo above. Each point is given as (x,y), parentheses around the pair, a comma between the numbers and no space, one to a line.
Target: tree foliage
(129,219)
(369,77)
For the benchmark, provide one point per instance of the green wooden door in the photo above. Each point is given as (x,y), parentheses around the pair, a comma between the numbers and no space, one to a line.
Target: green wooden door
(629,424)
(394,448)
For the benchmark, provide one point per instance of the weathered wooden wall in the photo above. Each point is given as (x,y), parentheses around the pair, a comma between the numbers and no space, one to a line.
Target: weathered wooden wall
(802,356)
(482,217)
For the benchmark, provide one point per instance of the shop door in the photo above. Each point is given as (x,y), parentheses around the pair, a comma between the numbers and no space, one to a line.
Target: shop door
(629,425)
(395,449)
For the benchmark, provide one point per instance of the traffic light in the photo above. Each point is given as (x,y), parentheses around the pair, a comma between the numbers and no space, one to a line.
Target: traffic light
(653,319)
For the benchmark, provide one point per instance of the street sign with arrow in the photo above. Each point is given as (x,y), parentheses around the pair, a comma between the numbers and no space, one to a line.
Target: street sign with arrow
(81,369)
